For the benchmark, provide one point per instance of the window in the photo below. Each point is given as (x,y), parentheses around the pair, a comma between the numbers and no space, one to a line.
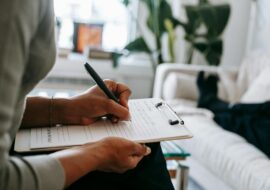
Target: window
(111,13)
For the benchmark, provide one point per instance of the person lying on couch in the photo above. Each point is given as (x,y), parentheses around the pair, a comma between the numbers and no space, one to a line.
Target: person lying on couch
(251,121)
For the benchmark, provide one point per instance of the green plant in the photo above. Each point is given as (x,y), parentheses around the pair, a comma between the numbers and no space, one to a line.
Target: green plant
(203,29)
(160,13)
(212,18)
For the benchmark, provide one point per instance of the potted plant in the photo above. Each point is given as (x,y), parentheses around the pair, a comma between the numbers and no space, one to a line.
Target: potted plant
(203,29)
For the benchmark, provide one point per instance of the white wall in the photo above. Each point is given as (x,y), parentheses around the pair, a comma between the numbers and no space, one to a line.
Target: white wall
(261,32)
(237,32)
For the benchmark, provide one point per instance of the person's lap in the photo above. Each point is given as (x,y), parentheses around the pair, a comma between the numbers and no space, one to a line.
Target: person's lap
(151,173)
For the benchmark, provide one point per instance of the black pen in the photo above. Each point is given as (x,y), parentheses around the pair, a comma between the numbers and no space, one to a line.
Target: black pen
(100,82)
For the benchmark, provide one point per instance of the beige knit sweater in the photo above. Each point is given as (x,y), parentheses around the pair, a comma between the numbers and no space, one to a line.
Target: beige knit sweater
(27,53)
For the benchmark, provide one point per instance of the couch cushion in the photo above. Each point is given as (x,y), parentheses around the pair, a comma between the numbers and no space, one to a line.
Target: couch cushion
(180,85)
(184,107)
(226,155)
(250,69)
(183,85)
(259,90)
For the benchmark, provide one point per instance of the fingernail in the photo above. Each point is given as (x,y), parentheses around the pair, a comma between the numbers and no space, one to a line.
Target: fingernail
(148,150)
(114,120)
(129,118)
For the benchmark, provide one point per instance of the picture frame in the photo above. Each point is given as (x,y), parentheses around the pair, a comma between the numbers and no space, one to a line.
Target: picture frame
(87,35)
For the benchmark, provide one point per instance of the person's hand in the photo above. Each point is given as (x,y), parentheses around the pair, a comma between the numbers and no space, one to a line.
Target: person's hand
(119,155)
(85,108)
(110,155)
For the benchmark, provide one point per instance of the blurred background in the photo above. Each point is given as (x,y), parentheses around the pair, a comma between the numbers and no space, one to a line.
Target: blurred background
(100,32)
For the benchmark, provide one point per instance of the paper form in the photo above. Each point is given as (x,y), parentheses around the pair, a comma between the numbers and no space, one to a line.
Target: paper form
(148,124)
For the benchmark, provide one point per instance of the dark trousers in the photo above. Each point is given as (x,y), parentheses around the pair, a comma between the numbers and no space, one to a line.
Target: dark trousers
(251,121)
(151,173)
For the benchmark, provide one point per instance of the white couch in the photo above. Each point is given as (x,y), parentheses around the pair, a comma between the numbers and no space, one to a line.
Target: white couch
(220,160)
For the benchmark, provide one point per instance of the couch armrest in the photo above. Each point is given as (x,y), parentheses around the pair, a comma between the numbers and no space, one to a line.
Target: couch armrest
(165,69)
(179,81)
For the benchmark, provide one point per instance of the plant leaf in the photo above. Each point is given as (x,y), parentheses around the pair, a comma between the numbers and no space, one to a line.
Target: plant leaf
(200,46)
(152,19)
(138,45)
(164,11)
(177,22)
(203,2)
(193,18)
(215,18)
(212,51)
(126,2)
(171,38)
(223,15)
(149,5)
(213,58)
(150,23)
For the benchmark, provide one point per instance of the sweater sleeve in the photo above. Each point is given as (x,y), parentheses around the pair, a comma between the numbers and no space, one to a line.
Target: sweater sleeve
(19,22)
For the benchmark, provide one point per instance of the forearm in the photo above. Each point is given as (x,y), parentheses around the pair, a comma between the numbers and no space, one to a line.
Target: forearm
(42,111)
(76,163)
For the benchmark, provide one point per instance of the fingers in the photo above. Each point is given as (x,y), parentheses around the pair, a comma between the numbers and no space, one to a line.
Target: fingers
(107,106)
(134,160)
(121,154)
(120,90)
(87,121)
(114,119)
(135,153)
(123,93)
(117,110)
(140,150)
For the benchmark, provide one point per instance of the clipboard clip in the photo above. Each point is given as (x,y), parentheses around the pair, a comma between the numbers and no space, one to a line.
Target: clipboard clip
(175,122)
(158,104)
(171,122)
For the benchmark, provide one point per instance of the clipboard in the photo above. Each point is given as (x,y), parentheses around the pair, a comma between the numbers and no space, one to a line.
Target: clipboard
(152,120)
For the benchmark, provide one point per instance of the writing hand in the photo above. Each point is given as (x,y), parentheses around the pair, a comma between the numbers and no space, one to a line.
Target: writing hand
(87,107)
